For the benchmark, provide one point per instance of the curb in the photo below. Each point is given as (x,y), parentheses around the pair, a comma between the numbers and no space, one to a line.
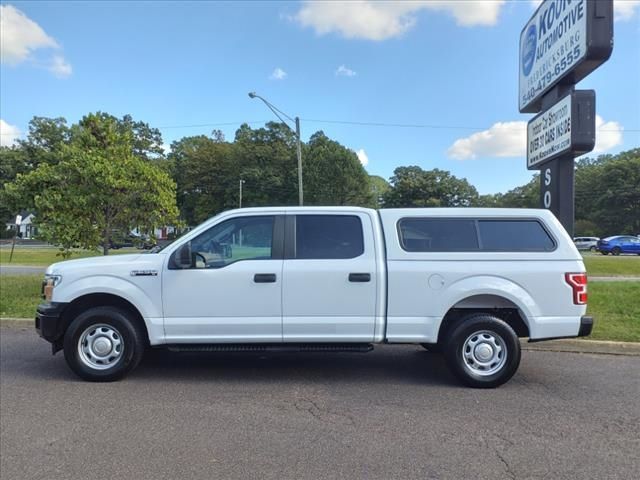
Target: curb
(584,346)
(17,322)
(567,346)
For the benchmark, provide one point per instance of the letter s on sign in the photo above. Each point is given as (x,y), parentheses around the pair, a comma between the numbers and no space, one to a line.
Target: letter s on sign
(547,177)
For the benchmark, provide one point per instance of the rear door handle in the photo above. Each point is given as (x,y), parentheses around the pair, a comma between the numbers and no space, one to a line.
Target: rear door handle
(359,277)
(264,278)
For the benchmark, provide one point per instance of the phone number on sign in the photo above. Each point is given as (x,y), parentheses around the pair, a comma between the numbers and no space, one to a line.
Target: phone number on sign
(551,71)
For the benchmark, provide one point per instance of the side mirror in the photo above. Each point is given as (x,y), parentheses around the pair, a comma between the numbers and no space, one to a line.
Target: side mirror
(183,256)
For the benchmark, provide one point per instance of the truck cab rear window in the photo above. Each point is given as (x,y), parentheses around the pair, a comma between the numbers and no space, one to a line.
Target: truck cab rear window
(328,237)
(472,235)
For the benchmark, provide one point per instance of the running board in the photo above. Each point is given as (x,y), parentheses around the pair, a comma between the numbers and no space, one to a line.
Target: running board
(269,348)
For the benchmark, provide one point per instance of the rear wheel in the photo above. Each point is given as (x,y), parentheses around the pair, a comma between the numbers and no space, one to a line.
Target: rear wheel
(482,351)
(593,249)
(103,344)
(605,253)
(616,251)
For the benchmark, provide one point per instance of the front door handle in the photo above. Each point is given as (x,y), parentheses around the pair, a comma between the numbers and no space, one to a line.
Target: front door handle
(359,277)
(264,278)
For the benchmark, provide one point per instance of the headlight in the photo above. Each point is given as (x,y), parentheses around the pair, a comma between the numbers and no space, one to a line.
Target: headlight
(48,284)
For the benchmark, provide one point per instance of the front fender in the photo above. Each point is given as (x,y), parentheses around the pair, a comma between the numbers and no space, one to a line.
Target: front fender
(134,294)
(491,285)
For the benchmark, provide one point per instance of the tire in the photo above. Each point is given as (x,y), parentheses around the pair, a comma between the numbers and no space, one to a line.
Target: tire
(605,253)
(593,249)
(103,344)
(492,337)
(615,251)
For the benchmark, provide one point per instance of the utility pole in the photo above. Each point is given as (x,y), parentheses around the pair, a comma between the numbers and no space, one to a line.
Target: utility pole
(277,112)
(240,201)
(299,152)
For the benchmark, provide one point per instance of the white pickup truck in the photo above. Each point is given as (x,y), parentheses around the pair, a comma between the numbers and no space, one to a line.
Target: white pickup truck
(467,282)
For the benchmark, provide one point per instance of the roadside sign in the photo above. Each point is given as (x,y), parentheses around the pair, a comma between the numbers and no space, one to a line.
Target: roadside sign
(18,220)
(568,127)
(562,43)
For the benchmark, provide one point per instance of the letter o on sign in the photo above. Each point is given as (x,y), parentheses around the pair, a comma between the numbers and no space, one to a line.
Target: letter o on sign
(547,199)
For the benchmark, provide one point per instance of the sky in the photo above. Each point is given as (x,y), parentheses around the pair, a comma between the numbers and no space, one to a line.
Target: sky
(427,83)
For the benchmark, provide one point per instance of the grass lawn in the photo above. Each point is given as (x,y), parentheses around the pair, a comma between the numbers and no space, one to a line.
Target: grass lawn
(616,308)
(610,266)
(614,305)
(46,256)
(19,295)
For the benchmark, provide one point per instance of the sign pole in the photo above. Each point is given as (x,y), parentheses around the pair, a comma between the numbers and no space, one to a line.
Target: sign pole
(562,43)
(557,175)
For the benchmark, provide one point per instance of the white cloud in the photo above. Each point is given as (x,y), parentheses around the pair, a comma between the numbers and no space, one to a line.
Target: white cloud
(503,139)
(625,9)
(380,20)
(20,37)
(344,71)
(60,67)
(8,134)
(362,156)
(608,135)
(278,74)
(509,139)
(622,9)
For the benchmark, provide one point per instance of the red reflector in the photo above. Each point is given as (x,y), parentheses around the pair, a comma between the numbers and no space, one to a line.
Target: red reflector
(578,283)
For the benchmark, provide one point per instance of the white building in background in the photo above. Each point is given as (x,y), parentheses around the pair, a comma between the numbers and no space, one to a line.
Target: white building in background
(23,223)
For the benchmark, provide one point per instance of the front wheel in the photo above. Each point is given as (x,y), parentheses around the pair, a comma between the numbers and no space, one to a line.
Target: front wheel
(482,351)
(103,344)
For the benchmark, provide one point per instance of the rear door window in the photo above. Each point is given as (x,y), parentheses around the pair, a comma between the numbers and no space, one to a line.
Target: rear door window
(328,237)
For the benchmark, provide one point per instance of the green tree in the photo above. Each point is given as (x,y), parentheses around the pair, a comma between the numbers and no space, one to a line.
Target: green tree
(204,172)
(44,141)
(13,161)
(333,175)
(99,186)
(379,188)
(266,159)
(607,191)
(414,187)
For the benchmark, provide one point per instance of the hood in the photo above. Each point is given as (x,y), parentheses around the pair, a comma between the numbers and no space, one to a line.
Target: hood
(105,262)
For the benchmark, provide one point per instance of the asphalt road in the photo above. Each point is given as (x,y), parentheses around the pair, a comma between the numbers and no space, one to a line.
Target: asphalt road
(392,413)
(21,270)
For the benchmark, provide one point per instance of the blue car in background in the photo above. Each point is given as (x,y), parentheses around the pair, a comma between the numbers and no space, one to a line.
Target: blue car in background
(619,244)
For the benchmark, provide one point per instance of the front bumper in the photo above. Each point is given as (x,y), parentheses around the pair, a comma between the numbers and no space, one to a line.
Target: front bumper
(49,321)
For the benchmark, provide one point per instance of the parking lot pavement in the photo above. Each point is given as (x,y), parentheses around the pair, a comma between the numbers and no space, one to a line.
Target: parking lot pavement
(392,413)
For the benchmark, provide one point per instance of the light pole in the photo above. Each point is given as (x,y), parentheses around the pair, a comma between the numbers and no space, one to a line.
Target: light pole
(296,120)
(240,201)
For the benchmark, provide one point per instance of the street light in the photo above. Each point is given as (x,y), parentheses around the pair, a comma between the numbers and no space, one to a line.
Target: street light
(296,120)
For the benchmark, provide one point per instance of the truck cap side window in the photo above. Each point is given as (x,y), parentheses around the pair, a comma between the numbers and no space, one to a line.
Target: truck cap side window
(514,236)
(473,235)
(438,235)
(328,237)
